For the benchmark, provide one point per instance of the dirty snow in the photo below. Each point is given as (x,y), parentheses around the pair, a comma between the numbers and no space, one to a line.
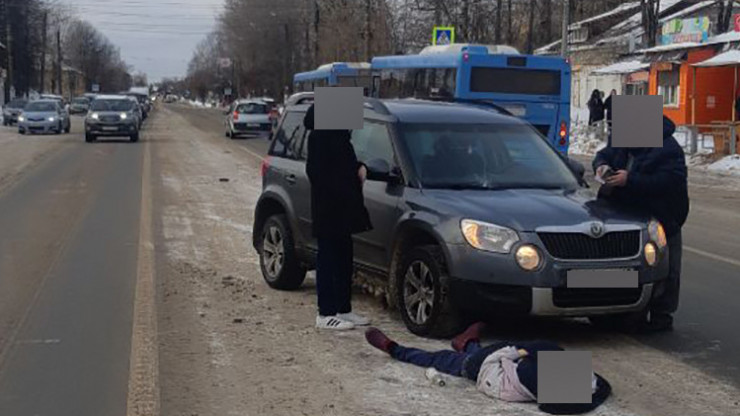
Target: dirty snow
(728,164)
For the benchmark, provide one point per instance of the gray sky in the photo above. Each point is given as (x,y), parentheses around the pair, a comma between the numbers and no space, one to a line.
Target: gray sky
(156,37)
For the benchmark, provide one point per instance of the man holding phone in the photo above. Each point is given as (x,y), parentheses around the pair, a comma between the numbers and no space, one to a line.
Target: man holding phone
(652,180)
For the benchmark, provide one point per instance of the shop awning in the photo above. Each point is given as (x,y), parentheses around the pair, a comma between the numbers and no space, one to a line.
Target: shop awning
(728,58)
(622,68)
(672,56)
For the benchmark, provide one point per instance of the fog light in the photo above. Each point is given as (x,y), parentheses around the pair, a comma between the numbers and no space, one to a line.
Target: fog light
(651,254)
(528,257)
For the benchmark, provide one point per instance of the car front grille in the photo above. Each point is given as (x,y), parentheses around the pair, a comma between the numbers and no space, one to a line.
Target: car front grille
(110,119)
(36,119)
(584,297)
(578,246)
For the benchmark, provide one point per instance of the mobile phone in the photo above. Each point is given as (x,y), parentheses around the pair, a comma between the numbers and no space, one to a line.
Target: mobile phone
(608,172)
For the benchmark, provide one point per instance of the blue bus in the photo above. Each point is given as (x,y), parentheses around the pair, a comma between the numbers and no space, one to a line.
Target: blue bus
(337,74)
(535,88)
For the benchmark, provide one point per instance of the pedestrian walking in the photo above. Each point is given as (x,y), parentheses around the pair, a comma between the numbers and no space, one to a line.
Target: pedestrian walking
(337,212)
(505,370)
(652,181)
(595,108)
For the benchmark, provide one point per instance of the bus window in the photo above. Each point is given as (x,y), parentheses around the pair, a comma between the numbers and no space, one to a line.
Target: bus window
(515,81)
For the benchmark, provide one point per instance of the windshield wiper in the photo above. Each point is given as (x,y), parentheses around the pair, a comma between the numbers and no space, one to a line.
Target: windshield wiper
(457,185)
(525,186)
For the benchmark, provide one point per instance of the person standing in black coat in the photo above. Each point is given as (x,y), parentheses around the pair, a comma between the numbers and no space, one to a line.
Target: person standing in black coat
(595,108)
(608,107)
(337,211)
(652,181)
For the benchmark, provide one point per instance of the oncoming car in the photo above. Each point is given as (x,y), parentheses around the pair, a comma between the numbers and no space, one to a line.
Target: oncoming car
(474,213)
(43,116)
(112,115)
(11,111)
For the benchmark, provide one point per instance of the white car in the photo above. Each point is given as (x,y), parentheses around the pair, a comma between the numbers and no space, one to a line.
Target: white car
(248,117)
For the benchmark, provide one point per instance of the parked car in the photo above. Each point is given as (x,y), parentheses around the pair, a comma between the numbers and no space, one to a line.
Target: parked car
(474,213)
(43,116)
(112,115)
(79,105)
(12,109)
(250,117)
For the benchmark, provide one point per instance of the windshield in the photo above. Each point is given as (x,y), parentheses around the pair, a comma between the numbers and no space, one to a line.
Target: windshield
(43,106)
(253,108)
(17,104)
(484,156)
(112,105)
(80,101)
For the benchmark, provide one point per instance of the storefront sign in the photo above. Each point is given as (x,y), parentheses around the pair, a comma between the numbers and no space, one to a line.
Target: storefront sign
(637,77)
(695,29)
(663,66)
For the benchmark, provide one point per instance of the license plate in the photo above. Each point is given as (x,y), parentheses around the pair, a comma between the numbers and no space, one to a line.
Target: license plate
(253,124)
(602,278)
(110,128)
(516,110)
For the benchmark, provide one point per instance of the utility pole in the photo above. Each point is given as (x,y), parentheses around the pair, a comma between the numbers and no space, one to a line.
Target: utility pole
(368,32)
(59,61)
(530,32)
(566,19)
(42,84)
(316,21)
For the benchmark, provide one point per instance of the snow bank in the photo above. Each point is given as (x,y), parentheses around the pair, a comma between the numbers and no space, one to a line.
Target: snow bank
(728,164)
(583,140)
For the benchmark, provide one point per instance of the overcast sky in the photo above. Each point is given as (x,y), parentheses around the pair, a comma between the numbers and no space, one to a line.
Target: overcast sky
(156,37)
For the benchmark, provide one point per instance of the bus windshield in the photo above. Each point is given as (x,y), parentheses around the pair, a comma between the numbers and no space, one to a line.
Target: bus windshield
(515,81)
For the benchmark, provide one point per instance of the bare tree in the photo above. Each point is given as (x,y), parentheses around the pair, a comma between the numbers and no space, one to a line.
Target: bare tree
(650,11)
(725,15)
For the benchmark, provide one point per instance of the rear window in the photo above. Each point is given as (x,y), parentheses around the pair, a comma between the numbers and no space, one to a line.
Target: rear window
(253,108)
(112,105)
(80,101)
(515,81)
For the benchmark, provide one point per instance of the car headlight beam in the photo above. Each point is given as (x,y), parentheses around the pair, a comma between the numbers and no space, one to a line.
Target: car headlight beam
(124,116)
(51,119)
(528,257)
(488,237)
(95,116)
(651,254)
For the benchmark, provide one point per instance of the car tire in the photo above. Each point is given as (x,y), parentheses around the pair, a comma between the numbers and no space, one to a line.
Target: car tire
(68,128)
(227,133)
(89,138)
(423,270)
(20,131)
(278,258)
(59,128)
(134,137)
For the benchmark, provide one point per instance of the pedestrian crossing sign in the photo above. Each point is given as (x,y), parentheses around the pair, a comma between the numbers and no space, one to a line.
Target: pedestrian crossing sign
(443,35)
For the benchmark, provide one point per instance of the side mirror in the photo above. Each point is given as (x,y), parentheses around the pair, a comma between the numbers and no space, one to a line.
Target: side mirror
(577,168)
(380,170)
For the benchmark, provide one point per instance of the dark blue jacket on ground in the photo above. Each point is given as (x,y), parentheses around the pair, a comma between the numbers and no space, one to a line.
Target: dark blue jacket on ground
(657,180)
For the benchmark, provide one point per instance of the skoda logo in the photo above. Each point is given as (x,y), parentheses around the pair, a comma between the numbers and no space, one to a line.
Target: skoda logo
(597,229)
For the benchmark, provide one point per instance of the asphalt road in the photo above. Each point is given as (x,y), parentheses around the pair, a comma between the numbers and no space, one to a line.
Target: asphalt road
(69,245)
(704,334)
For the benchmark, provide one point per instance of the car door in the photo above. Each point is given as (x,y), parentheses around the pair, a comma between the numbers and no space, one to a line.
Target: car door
(291,174)
(372,248)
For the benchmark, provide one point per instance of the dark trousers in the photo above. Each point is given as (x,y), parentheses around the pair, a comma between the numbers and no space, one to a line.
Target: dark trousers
(467,363)
(667,302)
(334,270)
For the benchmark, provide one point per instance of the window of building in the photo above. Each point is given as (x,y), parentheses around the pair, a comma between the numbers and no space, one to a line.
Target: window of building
(668,86)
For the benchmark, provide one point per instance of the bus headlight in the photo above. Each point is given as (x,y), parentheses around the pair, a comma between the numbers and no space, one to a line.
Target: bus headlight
(528,257)
(488,237)
(651,254)
(657,233)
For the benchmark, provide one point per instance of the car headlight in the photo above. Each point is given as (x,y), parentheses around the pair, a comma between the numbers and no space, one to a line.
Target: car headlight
(488,237)
(651,254)
(657,233)
(21,118)
(528,257)
(95,116)
(51,119)
(124,116)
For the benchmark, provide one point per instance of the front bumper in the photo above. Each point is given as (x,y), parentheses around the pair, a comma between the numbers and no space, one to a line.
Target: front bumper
(39,126)
(491,283)
(111,129)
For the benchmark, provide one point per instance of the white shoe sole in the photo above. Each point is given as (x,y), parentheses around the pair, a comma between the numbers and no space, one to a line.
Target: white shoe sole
(334,324)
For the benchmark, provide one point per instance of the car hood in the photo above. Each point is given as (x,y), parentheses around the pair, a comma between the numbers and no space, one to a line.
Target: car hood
(528,209)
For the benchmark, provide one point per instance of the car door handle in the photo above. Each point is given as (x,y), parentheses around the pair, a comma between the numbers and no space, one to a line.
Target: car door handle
(290,178)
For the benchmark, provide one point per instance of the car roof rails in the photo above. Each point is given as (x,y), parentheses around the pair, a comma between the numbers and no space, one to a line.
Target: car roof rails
(377,106)
(488,104)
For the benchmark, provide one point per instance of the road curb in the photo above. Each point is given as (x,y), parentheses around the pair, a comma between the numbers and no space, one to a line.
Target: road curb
(143,386)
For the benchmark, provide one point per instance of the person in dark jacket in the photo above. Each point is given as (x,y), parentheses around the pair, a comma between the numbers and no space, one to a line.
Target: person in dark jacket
(608,106)
(504,370)
(595,108)
(337,211)
(652,181)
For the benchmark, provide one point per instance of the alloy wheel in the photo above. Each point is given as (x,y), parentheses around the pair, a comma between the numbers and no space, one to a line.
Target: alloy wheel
(273,252)
(418,292)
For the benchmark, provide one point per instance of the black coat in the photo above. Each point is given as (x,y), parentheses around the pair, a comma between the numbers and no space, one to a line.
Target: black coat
(657,180)
(595,110)
(337,203)
(608,108)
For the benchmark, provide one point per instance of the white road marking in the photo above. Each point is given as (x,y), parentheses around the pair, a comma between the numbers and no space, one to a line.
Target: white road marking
(39,341)
(143,383)
(712,256)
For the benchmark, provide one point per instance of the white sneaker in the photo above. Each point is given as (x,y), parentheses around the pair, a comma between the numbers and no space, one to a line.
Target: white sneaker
(333,322)
(354,318)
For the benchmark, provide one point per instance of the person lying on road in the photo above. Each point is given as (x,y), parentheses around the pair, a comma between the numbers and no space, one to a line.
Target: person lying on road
(505,370)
